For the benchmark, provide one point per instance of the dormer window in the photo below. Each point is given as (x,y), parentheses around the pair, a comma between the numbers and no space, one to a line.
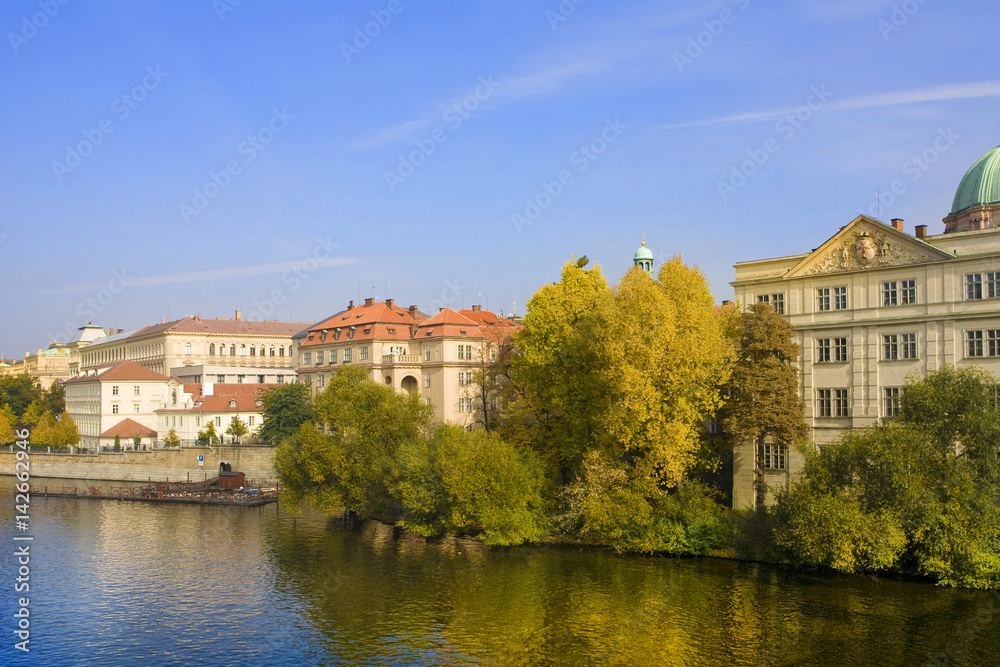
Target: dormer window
(232,403)
(391,331)
(322,337)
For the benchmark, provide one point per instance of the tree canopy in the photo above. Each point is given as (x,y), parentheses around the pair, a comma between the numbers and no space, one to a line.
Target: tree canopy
(286,408)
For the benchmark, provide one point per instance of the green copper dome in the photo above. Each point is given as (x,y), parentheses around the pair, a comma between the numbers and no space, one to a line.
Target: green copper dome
(643,253)
(981,184)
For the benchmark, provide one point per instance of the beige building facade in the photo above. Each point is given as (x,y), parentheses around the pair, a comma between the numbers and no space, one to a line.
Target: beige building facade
(874,305)
(205,350)
(434,357)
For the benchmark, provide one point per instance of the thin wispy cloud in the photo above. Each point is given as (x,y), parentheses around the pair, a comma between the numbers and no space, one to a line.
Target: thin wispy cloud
(535,85)
(955,91)
(213,274)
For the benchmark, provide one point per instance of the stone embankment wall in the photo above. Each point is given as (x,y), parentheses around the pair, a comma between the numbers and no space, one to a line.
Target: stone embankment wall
(159,465)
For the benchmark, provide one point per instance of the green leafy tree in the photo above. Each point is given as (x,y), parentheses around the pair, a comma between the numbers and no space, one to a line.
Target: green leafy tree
(470,483)
(44,432)
(118,443)
(919,492)
(237,428)
(136,441)
(32,414)
(763,401)
(54,400)
(172,439)
(208,434)
(491,379)
(353,466)
(19,392)
(286,408)
(7,423)
(68,433)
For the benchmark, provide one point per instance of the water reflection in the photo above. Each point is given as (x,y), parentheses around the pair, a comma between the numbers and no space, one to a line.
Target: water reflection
(168,584)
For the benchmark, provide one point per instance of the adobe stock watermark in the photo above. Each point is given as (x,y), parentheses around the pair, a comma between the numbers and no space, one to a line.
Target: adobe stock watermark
(900,16)
(786,128)
(453,117)
(293,278)
(30,25)
(914,167)
(697,44)
(363,35)
(223,7)
(562,13)
(248,150)
(581,159)
(453,290)
(122,107)
(92,306)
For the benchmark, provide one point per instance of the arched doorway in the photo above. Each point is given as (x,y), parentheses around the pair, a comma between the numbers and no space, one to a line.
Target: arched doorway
(409,385)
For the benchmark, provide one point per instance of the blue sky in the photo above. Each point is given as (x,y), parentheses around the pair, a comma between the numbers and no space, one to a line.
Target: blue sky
(169,158)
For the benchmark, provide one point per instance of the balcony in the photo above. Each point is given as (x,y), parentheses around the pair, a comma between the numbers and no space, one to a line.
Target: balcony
(401,359)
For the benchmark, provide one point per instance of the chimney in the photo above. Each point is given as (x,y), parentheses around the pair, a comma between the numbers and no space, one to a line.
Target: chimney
(369,301)
(239,315)
(477,309)
(120,331)
(388,302)
(350,306)
(897,223)
(413,311)
(440,309)
(921,231)
(207,388)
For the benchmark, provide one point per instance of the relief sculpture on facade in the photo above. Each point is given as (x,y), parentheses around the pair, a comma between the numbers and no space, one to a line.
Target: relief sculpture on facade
(866,250)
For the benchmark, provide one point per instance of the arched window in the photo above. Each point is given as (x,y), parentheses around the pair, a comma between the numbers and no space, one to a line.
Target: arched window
(222,350)
(187,349)
(211,349)
(272,350)
(281,351)
(253,351)
(262,350)
(232,350)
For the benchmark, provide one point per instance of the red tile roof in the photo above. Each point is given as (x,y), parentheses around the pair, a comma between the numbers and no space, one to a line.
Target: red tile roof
(380,320)
(220,326)
(129,428)
(121,371)
(244,403)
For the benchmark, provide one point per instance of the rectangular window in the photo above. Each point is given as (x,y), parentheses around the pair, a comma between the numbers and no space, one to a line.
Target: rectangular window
(319,357)
(468,352)
(320,380)
(973,286)
(114,409)
(427,381)
(890,401)
(973,343)
(890,347)
(280,379)
(461,379)
(776,301)
(840,408)
(135,390)
(823,350)
(333,356)
(218,421)
(772,457)
(824,402)
(992,342)
(114,390)
(251,420)
(890,293)
(461,352)
(840,298)
(494,403)
(427,354)
(197,421)
(240,378)
(840,349)
(823,297)
(135,408)
(993,285)
(221,379)
(461,405)
(260,379)
(908,346)
(908,291)
(347,356)
(307,358)
(363,353)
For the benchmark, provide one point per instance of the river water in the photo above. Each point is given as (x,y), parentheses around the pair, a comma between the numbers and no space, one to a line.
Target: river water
(116,583)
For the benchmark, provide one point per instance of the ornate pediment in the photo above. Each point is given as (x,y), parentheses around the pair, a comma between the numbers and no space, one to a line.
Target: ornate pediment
(867,244)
